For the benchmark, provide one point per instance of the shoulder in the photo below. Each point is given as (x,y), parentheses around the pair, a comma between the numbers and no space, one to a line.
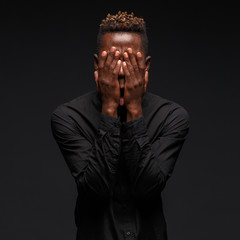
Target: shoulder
(177,121)
(176,118)
(72,114)
(76,105)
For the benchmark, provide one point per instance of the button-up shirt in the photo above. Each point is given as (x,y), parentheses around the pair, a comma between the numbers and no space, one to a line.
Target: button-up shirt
(120,168)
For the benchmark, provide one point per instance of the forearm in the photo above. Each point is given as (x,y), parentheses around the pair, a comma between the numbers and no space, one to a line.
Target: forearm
(99,176)
(93,164)
(143,168)
(134,113)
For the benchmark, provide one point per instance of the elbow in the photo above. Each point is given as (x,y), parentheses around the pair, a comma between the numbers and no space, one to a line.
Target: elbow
(92,189)
(148,193)
(149,188)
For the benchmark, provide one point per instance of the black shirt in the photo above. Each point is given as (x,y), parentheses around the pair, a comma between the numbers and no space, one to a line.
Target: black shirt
(120,168)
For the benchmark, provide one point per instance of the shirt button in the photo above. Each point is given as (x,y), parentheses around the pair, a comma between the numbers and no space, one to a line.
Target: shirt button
(128,233)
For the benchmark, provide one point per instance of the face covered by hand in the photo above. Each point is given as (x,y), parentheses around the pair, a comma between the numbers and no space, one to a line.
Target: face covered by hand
(121,58)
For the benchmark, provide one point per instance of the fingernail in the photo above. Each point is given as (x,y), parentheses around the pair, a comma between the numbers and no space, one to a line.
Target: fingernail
(113,49)
(124,64)
(125,54)
(104,53)
(129,50)
(117,53)
(139,54)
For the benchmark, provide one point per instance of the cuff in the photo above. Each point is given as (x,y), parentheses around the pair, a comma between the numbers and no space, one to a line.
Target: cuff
(135,127)
(109,124)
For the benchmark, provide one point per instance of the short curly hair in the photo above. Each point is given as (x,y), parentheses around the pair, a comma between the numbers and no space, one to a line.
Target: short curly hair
(123,22)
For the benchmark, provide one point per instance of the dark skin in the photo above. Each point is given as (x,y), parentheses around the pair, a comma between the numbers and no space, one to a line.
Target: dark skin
(122,63)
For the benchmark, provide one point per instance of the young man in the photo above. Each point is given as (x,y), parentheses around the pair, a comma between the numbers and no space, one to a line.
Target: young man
(120,142)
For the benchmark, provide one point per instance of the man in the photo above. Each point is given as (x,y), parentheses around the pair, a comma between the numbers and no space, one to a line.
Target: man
(120,141)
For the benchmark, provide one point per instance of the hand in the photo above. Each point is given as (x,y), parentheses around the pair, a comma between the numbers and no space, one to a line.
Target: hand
(107,78)
(134,89)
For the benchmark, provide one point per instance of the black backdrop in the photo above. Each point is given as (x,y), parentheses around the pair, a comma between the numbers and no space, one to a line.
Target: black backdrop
(46,58)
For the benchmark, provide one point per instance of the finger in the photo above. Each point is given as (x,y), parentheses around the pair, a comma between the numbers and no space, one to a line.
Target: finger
(102,59)
(110,57)
(117,69)
(114,62)
(132,59)
(96,79)
(126,71)
(140,61)
(96,76)
(128,63)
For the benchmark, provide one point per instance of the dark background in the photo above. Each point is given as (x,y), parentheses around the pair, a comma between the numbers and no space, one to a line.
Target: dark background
(46,59)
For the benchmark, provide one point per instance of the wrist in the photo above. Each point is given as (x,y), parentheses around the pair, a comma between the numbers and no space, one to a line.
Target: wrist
(111,111)
(134,114)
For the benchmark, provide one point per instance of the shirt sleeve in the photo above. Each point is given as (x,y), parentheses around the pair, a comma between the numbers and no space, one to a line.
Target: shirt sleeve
(92,164)
(149,165)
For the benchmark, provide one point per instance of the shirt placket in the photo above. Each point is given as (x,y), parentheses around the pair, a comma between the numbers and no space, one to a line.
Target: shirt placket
(128,229)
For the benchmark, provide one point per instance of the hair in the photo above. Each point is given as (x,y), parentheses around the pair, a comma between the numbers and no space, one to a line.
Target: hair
(123,22)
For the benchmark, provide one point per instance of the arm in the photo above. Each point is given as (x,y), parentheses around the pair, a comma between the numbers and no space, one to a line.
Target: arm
(151,164)
(92,164)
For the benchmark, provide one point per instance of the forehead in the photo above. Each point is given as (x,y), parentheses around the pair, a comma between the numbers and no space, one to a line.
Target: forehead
(122,41)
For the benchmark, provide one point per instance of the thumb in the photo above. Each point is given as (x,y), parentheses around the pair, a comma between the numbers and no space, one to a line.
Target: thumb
(96,77)
(146,79)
